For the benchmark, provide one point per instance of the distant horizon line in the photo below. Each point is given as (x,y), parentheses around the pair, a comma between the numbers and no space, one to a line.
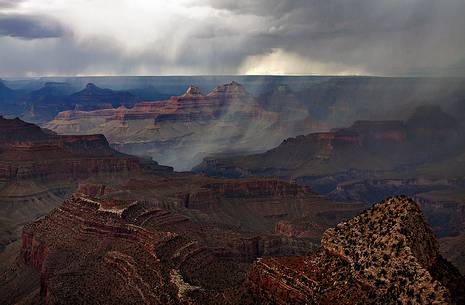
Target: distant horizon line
(12,78)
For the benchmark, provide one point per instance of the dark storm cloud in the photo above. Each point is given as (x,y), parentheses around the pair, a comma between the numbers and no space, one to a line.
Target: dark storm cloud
(382,37)
(30,27)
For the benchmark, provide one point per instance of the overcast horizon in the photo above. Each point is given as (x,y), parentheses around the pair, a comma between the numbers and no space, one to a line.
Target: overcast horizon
(223,37)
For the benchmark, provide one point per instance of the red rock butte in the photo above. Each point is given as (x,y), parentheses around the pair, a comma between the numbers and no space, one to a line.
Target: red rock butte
(191,106)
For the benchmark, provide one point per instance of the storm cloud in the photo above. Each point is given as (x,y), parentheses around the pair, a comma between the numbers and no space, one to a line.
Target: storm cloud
(30,27)
(376,37)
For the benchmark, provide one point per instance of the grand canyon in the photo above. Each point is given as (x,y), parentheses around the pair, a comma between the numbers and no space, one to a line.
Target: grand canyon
(238,152)
(281,214)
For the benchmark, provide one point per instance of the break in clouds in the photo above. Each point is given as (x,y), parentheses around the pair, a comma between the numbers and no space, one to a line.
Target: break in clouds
(378,37)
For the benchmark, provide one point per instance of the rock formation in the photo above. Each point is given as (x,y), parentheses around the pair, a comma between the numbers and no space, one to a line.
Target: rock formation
(44,103)
(422,157)
(16,130)
(126,261)
(190,106)
(174,239)
(28,152)
(93,97)
(283,100)
(181,130)
(364,145)
(164,251)
(386,255)
(39,168)
(453,248)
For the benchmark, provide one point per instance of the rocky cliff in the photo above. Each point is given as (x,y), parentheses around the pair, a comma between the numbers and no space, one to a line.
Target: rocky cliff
(453,248)
(175,239)
(93,97)
(16,130)
(422,157)
(427,137)
(28,152)
(364,145)
(153,254)
(39,168)
(386,255)
(127,259)
(190,106)
(181,130)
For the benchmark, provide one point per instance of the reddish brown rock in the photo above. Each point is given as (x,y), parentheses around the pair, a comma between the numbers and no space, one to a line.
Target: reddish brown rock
(16,130)
(94,190)
(300,230)
(386,255)
(39,168)
(28,152)
(231,99)
(143,238)
(74,244)
(210,193)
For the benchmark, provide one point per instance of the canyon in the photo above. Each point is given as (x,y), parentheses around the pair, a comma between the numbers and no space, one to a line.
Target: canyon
(363,146)
(102,249)
(88,217)
(182,130)
(151,116)
(39,168)
(174,239)
(422,157)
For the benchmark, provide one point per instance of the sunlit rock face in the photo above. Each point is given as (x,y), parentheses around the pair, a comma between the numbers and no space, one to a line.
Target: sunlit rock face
(386,255)
(191,106)
(182,130)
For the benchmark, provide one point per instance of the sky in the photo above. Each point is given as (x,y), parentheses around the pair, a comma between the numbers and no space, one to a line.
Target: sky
(199,37)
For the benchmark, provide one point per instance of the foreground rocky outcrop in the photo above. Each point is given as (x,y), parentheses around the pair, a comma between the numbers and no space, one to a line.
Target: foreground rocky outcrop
(386,255)
(102,250)
(174,239)
(126,260)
